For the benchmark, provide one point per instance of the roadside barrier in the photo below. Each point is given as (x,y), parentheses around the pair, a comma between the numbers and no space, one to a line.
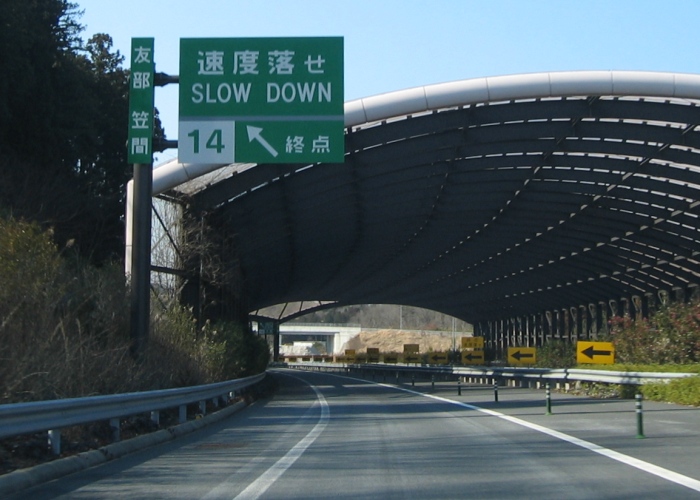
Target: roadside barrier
(52,416)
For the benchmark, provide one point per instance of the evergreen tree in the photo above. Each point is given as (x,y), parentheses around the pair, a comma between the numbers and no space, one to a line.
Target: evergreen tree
(63,126)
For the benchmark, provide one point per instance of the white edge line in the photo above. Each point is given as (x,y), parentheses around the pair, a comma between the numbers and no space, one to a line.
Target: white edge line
(268,478)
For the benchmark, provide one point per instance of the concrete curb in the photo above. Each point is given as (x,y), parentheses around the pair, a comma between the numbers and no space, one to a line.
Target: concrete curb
(22,479)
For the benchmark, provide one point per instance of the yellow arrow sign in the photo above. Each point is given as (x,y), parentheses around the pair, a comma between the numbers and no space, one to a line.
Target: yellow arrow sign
(600,353)
(522,355)
(472,342)
(438,358)
(472,357)
(411,348)
(411,358)
(373,355)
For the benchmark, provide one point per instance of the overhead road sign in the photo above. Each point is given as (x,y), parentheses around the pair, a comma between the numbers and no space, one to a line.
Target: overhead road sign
(601,353)
(268,327)
(522,355)
(261,100)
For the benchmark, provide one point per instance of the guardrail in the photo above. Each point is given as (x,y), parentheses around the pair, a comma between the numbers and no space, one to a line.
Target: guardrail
(24,418)
(531,375)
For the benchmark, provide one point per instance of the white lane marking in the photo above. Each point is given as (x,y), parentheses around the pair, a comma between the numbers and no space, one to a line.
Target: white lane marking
(268,478)
(667,474)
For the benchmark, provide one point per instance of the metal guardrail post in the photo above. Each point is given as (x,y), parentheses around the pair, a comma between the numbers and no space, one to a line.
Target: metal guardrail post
(52,416)
(55,441)
(115,425)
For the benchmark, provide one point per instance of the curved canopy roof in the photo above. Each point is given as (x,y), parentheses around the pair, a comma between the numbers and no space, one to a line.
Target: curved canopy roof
(483,199)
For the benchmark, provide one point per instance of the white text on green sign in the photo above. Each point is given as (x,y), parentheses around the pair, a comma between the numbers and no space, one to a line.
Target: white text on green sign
(141,101)
(261,100)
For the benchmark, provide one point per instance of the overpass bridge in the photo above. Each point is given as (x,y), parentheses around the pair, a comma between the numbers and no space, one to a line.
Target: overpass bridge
(532,206)
(332,336)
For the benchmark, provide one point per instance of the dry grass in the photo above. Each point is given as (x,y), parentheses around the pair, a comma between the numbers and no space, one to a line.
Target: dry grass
(394,340)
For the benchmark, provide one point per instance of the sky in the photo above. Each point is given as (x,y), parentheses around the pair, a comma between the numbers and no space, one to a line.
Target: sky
(397,44)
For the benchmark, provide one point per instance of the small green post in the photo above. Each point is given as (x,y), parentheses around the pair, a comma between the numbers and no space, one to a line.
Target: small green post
(640,416)
(495,390)
(459,387)
(548,397)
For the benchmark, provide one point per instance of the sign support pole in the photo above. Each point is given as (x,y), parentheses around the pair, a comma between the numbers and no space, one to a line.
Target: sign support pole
(141,257)
(140,154)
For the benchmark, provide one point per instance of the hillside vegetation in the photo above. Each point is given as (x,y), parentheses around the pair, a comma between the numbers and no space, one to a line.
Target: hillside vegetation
(386,316)
(64,329)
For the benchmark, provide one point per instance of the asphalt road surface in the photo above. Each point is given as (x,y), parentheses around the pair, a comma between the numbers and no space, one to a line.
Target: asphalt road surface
(325,436)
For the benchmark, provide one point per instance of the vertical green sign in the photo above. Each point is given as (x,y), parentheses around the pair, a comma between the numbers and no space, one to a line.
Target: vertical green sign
(141,101)
(261,100)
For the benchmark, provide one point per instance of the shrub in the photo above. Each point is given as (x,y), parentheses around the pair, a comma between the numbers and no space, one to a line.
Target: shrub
(64,330)
(685,391)
(671,335)
(557,354)
(235,351)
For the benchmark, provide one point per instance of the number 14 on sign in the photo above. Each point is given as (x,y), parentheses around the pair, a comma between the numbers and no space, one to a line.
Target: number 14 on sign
(207,142)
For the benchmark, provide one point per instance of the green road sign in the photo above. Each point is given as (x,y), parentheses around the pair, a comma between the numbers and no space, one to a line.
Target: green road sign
(141,101)
(261,100)
(267,328)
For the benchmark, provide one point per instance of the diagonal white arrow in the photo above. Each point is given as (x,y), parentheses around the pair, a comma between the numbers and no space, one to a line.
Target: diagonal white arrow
(254,134)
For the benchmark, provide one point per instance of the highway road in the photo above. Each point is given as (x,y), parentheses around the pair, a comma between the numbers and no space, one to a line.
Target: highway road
(326,436)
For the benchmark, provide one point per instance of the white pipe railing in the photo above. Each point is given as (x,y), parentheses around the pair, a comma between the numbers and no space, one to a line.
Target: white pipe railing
(563,375)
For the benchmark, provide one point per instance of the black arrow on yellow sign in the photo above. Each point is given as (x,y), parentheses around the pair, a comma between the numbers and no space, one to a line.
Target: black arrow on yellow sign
(521,355)
(472,357)
(591,352)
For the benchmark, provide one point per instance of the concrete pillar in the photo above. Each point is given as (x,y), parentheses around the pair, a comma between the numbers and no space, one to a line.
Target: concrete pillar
(637,306)
(604,327)
(575,331)
(625,307)
(593,315)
